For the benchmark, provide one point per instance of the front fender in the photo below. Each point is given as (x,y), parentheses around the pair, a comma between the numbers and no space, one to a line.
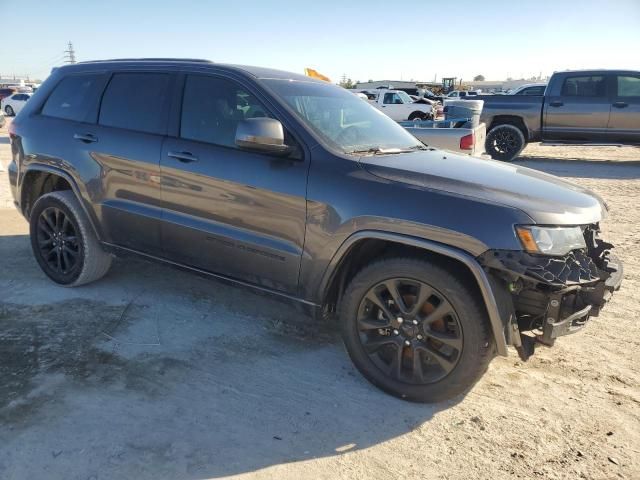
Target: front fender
(498,323)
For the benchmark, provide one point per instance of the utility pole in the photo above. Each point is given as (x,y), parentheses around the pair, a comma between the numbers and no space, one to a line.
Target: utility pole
(70,54)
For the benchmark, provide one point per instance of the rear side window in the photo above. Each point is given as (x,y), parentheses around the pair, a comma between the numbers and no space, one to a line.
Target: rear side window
(136,101)
(628,86)
(70,99)
(587,86)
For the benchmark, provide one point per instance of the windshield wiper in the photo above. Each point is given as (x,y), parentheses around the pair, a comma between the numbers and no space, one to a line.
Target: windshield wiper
(383,151)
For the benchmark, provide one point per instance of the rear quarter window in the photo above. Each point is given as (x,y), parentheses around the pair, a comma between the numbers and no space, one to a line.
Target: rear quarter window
(71,98)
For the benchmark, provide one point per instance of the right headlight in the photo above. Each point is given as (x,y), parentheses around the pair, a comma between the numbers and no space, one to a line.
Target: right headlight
(550,240)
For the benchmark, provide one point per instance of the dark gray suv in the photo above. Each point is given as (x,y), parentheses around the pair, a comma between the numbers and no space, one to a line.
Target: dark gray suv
(432,262)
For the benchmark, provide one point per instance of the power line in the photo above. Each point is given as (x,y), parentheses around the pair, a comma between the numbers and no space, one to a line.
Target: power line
(70,54)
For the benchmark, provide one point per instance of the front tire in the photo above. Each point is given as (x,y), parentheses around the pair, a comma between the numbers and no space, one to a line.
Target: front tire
(63,241)
(414,330)
(9,111)
(417,116)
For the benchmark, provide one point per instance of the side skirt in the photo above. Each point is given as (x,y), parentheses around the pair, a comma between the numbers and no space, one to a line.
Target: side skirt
(305,306)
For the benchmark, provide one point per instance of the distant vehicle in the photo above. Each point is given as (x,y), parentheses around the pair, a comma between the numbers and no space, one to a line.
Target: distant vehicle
(529,89)
(578,107)
(426,93)
(462,94)
(399,105)
(7,92)
(14,103)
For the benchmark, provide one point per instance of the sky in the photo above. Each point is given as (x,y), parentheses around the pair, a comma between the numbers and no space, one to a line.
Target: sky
(419,40)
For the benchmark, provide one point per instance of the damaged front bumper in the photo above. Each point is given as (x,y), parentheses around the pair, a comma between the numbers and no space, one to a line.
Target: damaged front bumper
(548,297)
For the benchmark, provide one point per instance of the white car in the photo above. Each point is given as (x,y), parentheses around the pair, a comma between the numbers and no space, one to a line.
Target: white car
(12,104)
(398,105)
(462,94)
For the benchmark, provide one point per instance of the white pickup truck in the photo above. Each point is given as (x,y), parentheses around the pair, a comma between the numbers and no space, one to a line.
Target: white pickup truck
(398,105)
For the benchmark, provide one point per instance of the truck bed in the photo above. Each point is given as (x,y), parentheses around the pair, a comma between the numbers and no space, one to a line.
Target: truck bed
(526,107)
(446,134)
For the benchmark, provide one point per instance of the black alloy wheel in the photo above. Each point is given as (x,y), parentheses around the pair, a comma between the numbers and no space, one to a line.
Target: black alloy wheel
(58,245)
(410,331)
(504,142)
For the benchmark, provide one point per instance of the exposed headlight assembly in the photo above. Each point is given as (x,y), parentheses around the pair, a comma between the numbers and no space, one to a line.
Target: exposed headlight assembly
(551,240)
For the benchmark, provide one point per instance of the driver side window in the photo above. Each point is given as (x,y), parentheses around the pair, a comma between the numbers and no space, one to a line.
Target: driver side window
(391,98)
(212,108)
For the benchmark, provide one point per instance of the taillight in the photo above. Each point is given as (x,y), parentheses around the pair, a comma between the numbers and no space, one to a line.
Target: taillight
(466,142)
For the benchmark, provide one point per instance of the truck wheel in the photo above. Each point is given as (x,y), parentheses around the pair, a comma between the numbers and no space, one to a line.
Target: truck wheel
(417,116)
(414,330)
(505,142)
(63,241)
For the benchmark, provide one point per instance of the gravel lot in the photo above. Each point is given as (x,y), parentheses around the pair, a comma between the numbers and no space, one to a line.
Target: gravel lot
(156,373)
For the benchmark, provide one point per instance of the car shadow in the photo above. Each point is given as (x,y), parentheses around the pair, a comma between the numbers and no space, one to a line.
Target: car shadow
(4,140)
(153,372)
(577,168)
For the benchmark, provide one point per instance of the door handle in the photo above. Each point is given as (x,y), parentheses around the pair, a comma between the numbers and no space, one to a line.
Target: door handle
(556,103)
(620,104)
(184,157)
(86,138)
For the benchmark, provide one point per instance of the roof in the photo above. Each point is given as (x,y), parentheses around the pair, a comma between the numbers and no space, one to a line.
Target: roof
(258,72)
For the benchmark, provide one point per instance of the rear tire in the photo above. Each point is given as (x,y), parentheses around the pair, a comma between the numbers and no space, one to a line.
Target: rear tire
(9,111)
(63,241)
(505,142)
(430,345)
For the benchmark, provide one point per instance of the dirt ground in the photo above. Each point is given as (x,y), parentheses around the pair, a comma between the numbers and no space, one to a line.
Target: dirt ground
(156,373)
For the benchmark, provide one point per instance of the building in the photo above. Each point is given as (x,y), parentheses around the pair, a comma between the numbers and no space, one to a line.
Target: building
(397,84)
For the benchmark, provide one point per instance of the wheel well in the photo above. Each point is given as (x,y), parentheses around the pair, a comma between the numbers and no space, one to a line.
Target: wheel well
(417,113)
(36,184)
(510,120)
(365,251)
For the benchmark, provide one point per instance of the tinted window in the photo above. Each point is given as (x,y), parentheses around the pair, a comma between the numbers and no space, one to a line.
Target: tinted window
(136,101)
(628,86)
(391,98)
(213,107)
(70,98)
(588,86)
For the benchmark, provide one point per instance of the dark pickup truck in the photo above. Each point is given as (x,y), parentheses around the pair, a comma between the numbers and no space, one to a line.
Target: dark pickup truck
(578,107)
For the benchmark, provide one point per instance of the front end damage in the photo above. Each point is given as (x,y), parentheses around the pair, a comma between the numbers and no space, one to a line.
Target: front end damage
(543,297)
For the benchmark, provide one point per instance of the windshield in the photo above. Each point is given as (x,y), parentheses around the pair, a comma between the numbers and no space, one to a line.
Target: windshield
(343,120)
(405,97)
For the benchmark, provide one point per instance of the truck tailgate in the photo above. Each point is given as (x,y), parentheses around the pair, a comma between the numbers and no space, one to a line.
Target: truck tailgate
(450,138)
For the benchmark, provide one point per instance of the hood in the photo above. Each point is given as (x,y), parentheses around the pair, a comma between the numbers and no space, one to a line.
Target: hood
(547,199)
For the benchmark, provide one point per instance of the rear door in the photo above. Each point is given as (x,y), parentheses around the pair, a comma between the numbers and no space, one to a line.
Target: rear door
(624,121)
(579,111)
(126,147)
(226,210)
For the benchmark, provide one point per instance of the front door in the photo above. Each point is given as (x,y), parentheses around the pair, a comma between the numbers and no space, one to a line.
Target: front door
(624,121)
(394,107)
(226,210)
(580,113)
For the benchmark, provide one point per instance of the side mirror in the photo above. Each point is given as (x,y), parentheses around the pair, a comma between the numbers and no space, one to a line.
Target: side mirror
(263,135)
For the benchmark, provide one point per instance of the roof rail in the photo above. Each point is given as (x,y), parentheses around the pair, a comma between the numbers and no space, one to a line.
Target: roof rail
(198,60)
